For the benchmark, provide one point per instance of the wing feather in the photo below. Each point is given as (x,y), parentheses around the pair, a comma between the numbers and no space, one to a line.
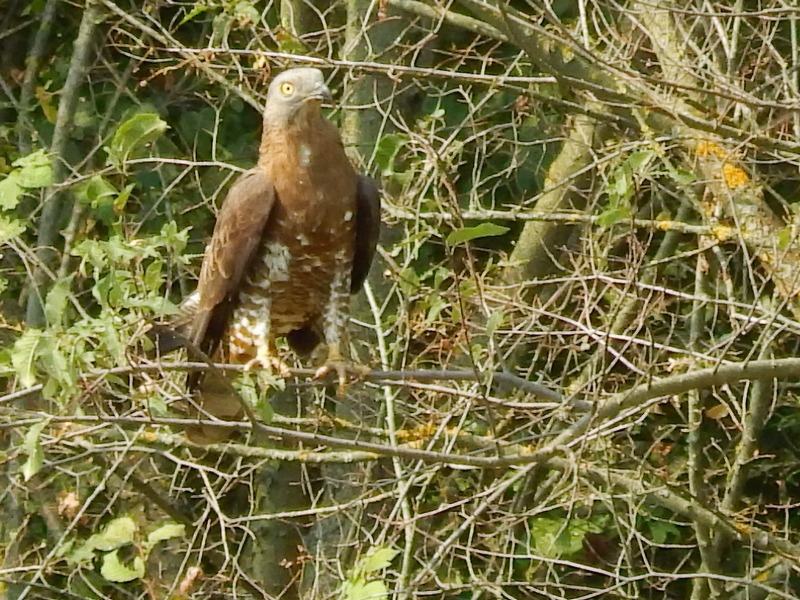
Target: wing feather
(237,236)
(368,228)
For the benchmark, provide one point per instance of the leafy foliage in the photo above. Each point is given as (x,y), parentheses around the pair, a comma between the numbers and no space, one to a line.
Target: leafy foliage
(596,198)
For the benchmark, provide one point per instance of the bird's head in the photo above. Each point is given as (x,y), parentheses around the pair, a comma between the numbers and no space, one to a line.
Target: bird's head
(294,95)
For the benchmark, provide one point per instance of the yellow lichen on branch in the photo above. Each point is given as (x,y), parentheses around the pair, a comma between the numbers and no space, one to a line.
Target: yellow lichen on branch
(734,176)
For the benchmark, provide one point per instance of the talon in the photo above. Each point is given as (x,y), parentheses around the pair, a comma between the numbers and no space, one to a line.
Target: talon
(343,369)
(271,363)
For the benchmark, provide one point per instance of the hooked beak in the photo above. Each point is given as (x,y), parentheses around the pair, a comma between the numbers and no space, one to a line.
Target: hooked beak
(321,93)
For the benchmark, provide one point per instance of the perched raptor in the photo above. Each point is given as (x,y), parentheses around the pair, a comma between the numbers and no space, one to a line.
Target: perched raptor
(294,238)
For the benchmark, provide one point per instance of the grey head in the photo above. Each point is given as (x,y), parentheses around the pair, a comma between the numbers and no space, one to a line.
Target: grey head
(294,95)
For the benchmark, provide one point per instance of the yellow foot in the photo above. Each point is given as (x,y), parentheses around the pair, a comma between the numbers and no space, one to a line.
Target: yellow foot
(343,369)
(272,363)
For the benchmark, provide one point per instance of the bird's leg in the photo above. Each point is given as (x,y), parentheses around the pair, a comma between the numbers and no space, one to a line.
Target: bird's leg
(267,358)
(334,328)
(260,337)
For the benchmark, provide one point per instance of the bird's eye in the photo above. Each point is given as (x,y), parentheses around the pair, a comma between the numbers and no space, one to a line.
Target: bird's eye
(287,88)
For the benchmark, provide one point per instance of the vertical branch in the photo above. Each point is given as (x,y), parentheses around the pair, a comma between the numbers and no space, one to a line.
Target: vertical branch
(55,205)
(757,412)
(31,70)
(696,464)
(368,38)
(534,253)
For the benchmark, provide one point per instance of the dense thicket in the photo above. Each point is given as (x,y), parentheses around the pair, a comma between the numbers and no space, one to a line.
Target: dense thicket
(582,321)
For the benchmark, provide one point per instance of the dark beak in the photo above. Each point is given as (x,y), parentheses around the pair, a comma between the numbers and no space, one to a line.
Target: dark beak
(321,92)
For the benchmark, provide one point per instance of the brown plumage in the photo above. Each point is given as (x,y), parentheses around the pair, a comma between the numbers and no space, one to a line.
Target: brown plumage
(295,236)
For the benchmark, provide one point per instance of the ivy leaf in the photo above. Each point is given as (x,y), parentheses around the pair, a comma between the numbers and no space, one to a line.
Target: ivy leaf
(33,447)
(114,571)
(466,234)
(135,133)
(24,355)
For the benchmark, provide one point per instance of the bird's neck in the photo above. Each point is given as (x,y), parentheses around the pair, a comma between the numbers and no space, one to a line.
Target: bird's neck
(288,135)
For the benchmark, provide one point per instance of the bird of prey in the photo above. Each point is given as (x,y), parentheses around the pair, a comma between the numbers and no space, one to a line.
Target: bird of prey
(293,239)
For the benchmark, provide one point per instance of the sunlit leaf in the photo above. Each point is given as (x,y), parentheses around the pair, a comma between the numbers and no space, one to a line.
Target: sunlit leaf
(465,234)
(372,590)
(166,532)
(119,532)
(113,570)
(10,228)
(10,191)
(34,170)
(379,559)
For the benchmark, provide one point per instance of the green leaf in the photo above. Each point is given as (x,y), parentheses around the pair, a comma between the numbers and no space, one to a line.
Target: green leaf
(10,228)
(135,133)
(55,305)
(97,193)
(198,9)
(121,201)
(24,354)
(613,215)
(34,170)
(245,13)
(373,590)
(33,447)
(494,321)
(465,234)
(152,276)
(114,571)
(166,532)
(10,191)
(662,532)
(639,160)
(436,304)
(554,537)
(682,177)
(119,532)
(80,555)
(386,152)
(379,559)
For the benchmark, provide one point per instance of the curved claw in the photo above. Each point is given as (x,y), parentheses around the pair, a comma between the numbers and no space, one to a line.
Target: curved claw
(272,363)
(343,369)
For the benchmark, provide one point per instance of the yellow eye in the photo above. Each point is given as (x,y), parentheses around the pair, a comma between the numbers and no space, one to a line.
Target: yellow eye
(287,88)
